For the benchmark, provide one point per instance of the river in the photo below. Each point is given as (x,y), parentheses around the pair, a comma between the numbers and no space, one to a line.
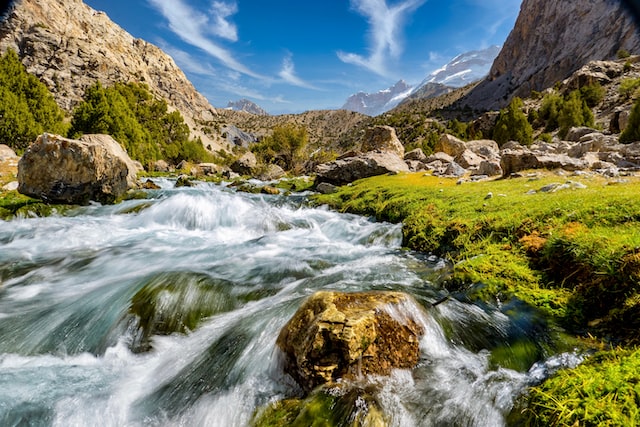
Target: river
(71,352)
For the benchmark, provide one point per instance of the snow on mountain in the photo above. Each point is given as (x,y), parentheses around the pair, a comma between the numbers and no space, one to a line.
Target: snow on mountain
(373,104)
(465,68)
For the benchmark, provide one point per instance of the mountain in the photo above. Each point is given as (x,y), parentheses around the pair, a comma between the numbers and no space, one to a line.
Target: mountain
(550,41)
(69,46)
(373,104)
(246,106)
(465,68)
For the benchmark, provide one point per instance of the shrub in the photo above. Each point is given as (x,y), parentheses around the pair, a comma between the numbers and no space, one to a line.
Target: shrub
(592,94)
(632,131)
(550,110)
(512,125)
(285,147)
(629,88)
(27,108)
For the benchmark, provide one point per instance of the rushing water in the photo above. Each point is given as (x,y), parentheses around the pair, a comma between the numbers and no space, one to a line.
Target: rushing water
(67,338)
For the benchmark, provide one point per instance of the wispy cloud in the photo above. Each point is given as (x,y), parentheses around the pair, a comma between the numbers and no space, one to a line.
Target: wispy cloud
(197,29)
(187,62)
(386,24)
(288,74)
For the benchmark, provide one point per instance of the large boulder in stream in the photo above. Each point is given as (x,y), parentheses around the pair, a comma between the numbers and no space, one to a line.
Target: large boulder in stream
(349,169)
(338,335)
(62,170)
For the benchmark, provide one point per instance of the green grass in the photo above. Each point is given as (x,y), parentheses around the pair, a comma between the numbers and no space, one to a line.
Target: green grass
(574,254)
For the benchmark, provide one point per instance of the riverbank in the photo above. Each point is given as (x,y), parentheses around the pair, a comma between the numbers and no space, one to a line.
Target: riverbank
(567,245)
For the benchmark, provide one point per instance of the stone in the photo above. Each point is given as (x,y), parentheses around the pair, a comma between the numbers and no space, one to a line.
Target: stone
(246,164)
(150,185)
(575,133)
(484,147)
(272,172)
(7,153)
(439,156)
(489,168)
(208,169)
(62,170)
(469,160)
(326,188)
(336,335)
(268,189)
(454,169)
(512,161)
(161,166)
(382,139)
(416,155)
(184,181)
(344,171)
(415,165)
(450,145)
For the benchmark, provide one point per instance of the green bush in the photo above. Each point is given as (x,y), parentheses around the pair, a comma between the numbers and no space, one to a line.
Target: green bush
(629,88)
(27,108)
(512,125)
(141,123)
(550,110)
(285,147)
(592,94)
(632,131)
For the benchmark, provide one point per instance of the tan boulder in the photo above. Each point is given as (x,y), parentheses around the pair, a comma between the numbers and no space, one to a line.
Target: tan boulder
(63,170)
(383,139)
(450,145)
(345,335)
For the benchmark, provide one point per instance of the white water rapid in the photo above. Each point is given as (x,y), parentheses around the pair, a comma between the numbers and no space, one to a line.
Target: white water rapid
(67,335)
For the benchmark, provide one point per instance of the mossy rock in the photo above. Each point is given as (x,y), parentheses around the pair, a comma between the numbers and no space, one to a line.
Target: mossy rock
(178,302)
(323,408)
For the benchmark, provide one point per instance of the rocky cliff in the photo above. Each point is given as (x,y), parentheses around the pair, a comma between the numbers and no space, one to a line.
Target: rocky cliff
(69,46)
(551,40)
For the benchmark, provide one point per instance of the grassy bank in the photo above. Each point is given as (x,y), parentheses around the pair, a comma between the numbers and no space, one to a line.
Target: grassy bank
(569,246)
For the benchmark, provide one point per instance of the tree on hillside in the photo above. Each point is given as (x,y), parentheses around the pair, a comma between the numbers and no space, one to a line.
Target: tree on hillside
(141,123)
(574,112)
(632,132)
(27,108)
(512,125)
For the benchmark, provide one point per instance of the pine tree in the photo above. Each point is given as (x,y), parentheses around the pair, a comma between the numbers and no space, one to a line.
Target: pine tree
(632,132)
(512,125)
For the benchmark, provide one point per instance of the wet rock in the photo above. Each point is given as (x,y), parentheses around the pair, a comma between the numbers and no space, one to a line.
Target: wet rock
(184,181)
(150,185)
(344,335)
(61,170)
(272,172)
(268,189)
(382,139)
(346,170)
(326,188)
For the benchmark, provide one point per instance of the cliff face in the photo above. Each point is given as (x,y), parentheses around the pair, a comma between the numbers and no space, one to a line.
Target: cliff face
(550,41)
(69,46)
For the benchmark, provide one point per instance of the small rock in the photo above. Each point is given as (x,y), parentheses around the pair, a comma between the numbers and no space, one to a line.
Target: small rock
(489,195)
(267,189)
(326,188)
(184,181)
(150,185)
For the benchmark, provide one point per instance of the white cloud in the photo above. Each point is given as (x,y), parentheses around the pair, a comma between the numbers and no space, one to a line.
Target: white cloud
(187,62)
(222,27)
(385,32)
(196,29)
(288,74)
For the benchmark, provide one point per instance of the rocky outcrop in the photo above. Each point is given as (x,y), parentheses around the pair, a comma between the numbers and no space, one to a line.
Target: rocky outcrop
(550,41)
(246,165)
(345,335)
(382,153)
(61,170)
(56,40)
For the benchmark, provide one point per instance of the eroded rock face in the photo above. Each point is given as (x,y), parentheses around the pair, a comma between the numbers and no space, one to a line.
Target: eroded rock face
(551,40)
(344,335)
(61,170)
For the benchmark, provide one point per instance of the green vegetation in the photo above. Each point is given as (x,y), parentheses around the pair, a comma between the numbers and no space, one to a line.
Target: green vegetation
(629,88)
(284,147)
(512,125)
(565,112)
(632,131)
(27,108)
(604,391)
(141,123)
(577,262)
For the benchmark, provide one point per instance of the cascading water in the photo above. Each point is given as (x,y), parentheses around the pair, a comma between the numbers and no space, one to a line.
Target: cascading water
(71,352)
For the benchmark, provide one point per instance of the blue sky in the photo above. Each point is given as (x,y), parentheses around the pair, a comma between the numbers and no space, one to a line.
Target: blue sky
(292,56)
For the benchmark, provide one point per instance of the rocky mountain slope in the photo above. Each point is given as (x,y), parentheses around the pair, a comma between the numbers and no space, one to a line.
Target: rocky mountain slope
(373,104)
(551,40)
(247,106)
(57,42)
(465,68)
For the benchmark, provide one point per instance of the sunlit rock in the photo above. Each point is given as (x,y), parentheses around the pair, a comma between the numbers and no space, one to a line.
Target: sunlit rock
(382,139)
(62,170)
(347,335)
